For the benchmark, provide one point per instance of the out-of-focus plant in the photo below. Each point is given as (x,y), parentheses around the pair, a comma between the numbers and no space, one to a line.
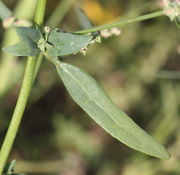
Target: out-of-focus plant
(172,10)
(54,43)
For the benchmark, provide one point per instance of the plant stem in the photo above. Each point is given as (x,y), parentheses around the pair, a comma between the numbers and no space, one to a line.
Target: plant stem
(7,61)
(52,60)
(56,18)
(38,65)
(4,11)
(23,96)
(122,22)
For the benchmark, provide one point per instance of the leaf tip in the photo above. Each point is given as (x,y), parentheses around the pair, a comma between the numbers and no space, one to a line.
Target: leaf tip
(161,153)
(166,155)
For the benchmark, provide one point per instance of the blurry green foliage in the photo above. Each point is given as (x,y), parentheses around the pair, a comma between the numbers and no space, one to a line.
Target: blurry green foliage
(129,68)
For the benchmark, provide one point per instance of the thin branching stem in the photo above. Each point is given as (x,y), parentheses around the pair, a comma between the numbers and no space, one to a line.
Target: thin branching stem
(23,96)
(56,18)
(121,23)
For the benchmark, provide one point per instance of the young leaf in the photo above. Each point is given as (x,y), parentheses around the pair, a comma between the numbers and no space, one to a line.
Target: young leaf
(20,49)
(92,99)
(66,43)
(29,36)
(28,33)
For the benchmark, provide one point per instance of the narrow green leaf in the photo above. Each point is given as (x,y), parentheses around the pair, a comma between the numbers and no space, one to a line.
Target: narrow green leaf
(20,49)
(83,19)
(28,32)
(29,36)
(28,46)
(66,43)
(92,99)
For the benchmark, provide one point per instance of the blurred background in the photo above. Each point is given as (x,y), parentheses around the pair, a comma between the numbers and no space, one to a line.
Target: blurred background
(140,70)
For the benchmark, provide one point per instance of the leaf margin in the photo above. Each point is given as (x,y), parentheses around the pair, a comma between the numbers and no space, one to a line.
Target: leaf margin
(161,152)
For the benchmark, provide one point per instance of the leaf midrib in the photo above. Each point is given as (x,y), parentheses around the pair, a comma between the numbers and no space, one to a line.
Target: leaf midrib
(111,116)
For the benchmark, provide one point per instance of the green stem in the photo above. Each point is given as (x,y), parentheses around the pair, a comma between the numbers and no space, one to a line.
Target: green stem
(56,17)
(23,96)
(122,22)
(54,61)
(38,65)
(4,11)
